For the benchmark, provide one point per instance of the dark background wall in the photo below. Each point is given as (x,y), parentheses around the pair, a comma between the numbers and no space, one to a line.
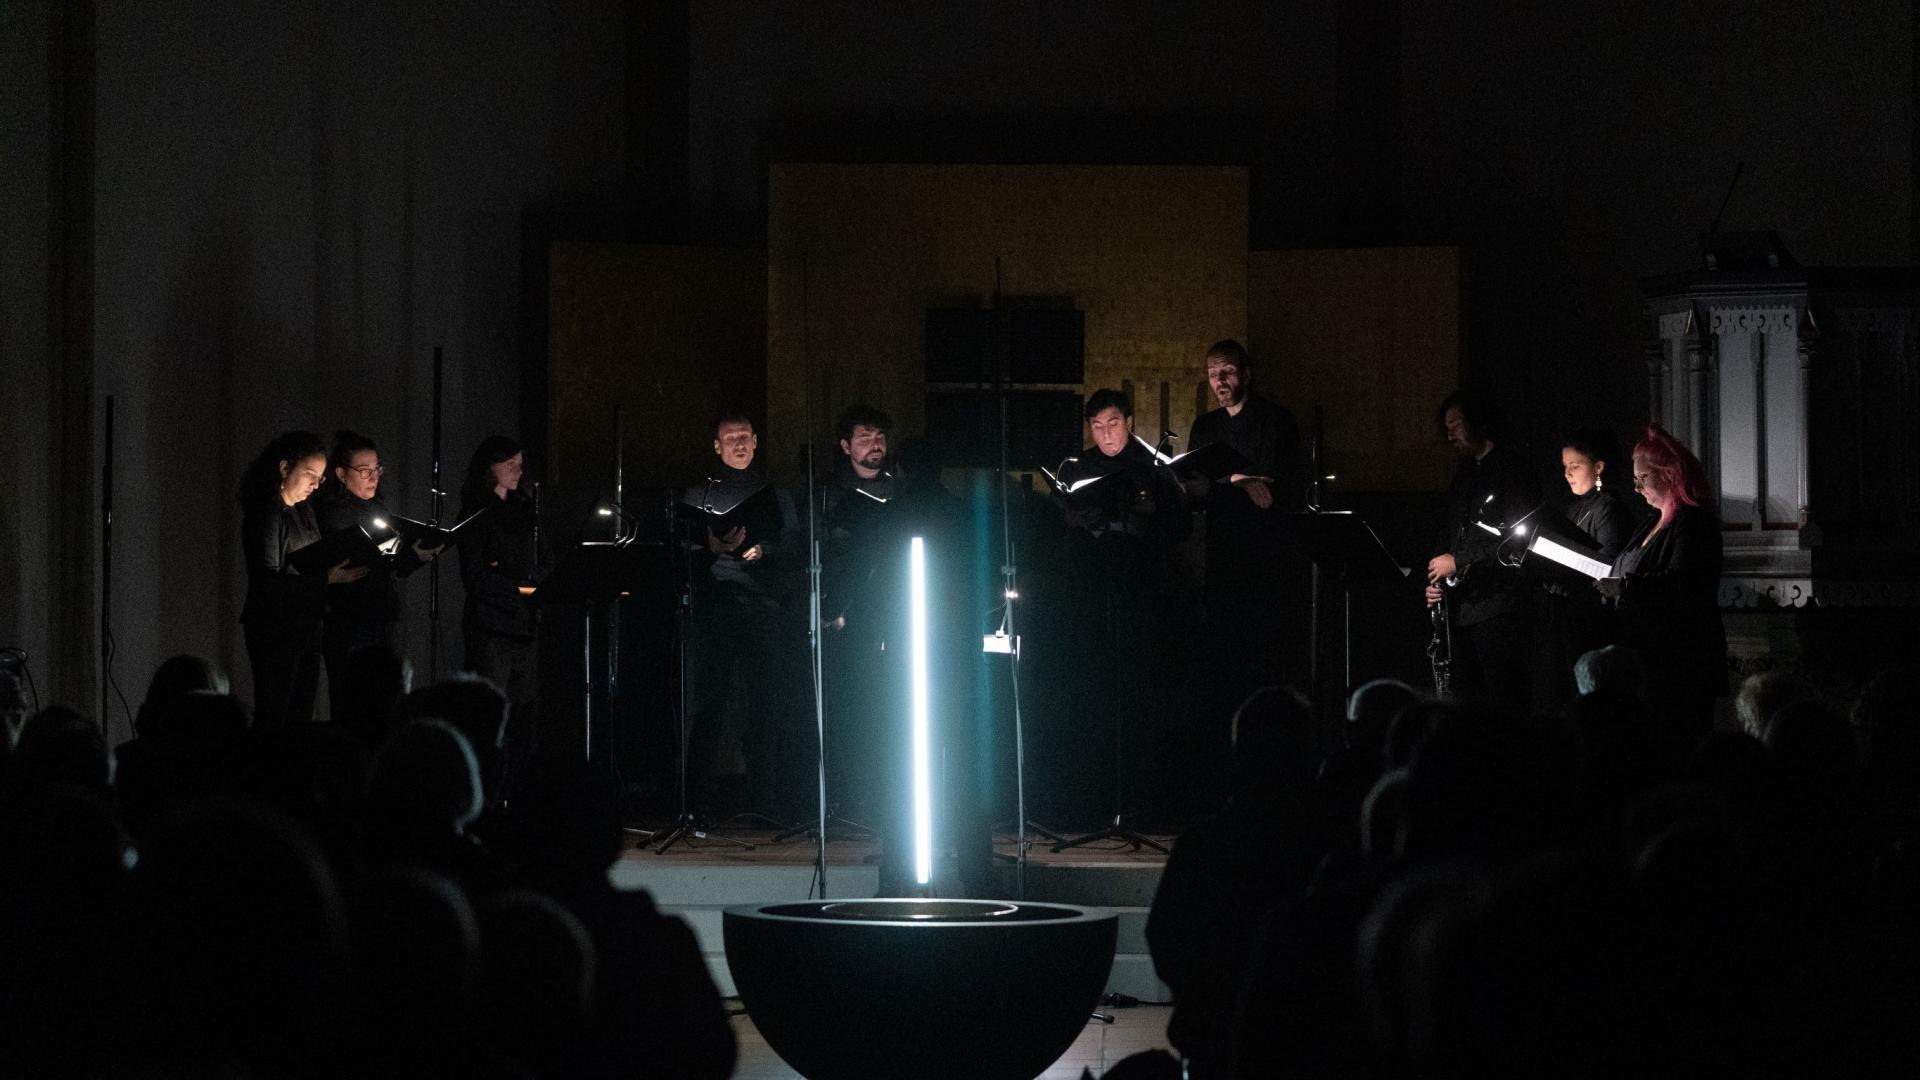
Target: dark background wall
(276,210)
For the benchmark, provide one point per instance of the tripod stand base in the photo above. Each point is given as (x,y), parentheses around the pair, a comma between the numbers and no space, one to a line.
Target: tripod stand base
(854,830)
(688,827)
(1119,832)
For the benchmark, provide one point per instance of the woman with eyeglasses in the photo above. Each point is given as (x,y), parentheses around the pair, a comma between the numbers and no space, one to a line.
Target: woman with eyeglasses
(496,559)
(363,612)
(284,608)
(1666,583)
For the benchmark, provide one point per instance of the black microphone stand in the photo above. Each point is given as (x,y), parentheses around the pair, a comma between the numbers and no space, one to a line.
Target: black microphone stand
(816,627)
(1010,596)
(433,569)
(686,824)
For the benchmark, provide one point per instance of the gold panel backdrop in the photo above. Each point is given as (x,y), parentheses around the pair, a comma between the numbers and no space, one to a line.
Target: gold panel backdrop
(1372,337)
(672,336)
(1154,255)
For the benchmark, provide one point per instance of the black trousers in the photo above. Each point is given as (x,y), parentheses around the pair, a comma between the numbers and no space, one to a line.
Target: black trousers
(286,672)
(342,635)
(511,663)
(505,660)
(753,655)
(1493,661)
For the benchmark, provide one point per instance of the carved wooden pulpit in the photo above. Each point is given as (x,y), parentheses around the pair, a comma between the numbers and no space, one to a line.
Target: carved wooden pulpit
(1800,390)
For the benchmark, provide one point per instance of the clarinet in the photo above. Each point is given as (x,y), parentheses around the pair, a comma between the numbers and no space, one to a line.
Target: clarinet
(1440,646)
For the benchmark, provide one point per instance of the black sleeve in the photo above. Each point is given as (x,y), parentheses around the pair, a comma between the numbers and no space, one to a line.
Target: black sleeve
(1684,563)
(473,549)
(1610,526)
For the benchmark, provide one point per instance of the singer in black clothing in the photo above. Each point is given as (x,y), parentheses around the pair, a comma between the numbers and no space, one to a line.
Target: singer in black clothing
(1120,528)
(496,560)
(1666,583)
(1491,608)
(284,607)
(1575,622)
(1247,557)
(741,636)
(363,612)
(861,604)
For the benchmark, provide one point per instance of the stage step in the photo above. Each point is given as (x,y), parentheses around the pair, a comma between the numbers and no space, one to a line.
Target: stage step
(699,891)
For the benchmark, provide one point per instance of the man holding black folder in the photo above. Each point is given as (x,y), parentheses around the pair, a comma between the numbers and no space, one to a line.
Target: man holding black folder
(1123,513)
(738,636)
(1245,582)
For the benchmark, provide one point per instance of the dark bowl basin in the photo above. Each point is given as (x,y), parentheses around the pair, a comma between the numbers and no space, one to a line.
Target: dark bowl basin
(919,988)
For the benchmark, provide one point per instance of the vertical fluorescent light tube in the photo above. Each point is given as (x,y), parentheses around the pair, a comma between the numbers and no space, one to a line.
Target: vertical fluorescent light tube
(922,750)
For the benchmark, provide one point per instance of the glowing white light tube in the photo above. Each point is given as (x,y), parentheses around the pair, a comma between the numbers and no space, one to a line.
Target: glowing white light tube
(922,738)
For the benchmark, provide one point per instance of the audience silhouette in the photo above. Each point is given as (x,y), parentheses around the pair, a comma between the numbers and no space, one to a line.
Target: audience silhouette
(1431,889)
(311,900)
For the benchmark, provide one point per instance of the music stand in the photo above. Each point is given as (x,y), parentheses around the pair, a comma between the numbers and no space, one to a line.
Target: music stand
(1342,543)
(686,824)
(597,572)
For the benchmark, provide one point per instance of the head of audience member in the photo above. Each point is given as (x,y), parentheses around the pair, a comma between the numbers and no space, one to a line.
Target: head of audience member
(1110,421)
(1370,712)
(315,773)
(1384,952)
(1585,456)
(1469,424)
(1408,729)
(1274,752)
(1812,745)
(285,473)
(1611,669)
(1381,816)
(1884,717)
(734,441)
(355,465)
(537,975)
(1512,973)
(477,709)
(173,680)
(862,430)
(1229,373)
(425,781)
(494,471)
(246,934)
(1667,474)
(416,952)
(13,710)
(565,830)
(60,747)
(377,679)
(1765,693)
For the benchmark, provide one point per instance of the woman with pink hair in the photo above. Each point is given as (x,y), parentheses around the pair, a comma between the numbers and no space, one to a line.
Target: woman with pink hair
(1666,585)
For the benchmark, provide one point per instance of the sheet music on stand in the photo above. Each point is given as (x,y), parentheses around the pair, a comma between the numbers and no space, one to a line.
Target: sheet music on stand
(1562,547)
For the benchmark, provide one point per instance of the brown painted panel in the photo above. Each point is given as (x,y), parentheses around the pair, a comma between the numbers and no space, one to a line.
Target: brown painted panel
(1155,257)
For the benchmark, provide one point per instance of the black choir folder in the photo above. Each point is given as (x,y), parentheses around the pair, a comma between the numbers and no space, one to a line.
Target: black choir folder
(726,505)
(350,545)
(1214,461)
(428,535)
